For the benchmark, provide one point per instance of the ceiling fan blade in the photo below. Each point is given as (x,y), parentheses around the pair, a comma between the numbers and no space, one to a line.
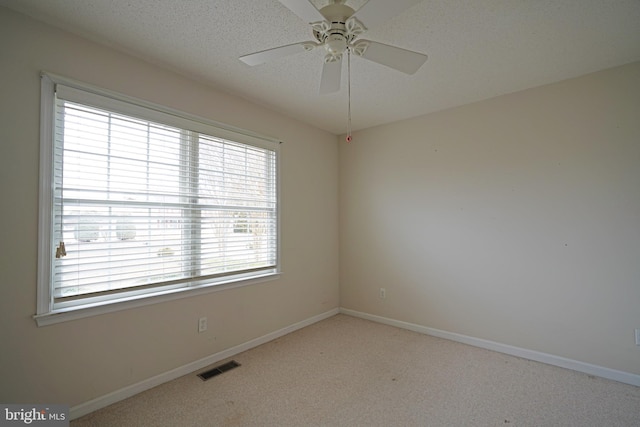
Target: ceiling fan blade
(331,74)
(375,12)
(304,9)
(275,53)
(399,59)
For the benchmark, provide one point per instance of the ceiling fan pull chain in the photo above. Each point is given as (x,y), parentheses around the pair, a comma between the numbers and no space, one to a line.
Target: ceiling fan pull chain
(349,94)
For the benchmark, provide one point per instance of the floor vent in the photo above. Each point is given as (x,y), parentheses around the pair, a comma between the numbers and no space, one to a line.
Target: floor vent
(218,370)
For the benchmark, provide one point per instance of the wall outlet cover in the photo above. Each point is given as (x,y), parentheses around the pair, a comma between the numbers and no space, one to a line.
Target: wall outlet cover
(202,324)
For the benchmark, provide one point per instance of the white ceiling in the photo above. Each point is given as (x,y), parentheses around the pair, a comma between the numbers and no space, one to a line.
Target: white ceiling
(477,49)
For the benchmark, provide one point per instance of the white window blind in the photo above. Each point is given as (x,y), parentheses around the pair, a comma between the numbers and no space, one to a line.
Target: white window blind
(145,201)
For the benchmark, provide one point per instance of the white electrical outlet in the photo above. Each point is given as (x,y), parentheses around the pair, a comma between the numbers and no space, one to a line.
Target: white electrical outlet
(202,324)
(383,293)
(637,336)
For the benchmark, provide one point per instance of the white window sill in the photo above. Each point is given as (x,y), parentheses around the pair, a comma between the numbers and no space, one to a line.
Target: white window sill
(88,310)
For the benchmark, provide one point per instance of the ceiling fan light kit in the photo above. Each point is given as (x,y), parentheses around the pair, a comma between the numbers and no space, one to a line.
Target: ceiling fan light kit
(336,28)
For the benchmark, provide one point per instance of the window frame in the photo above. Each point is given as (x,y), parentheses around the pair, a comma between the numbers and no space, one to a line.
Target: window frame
(46,313)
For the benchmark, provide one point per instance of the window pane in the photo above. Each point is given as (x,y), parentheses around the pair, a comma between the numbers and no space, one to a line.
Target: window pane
(142,204)
(235,186)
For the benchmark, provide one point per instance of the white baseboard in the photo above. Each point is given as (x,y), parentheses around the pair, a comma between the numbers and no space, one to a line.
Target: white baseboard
(550,359)
(118,395)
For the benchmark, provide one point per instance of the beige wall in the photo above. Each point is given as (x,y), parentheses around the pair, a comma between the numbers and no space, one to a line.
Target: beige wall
(515,220)
(77,361)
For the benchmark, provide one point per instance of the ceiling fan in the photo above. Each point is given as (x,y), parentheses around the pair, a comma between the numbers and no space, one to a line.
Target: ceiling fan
(336,28)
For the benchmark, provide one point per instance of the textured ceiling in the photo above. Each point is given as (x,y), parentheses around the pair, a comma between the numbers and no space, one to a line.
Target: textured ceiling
(477,49)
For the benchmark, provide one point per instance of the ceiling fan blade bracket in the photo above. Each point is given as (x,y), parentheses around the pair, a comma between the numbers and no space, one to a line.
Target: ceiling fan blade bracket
(354,28)
(359,48)
(309,46)
(331,57)
(321,29)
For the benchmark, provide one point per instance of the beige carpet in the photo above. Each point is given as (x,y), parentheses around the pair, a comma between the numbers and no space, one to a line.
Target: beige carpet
(346,371)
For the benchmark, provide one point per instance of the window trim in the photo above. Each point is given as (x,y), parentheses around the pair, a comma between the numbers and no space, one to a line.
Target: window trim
(46,314)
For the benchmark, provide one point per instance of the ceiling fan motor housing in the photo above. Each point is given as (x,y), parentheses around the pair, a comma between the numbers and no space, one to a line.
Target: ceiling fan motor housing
(335,17)
(338,30)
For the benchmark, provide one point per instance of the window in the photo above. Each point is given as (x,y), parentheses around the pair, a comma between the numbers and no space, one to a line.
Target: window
(140,201)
